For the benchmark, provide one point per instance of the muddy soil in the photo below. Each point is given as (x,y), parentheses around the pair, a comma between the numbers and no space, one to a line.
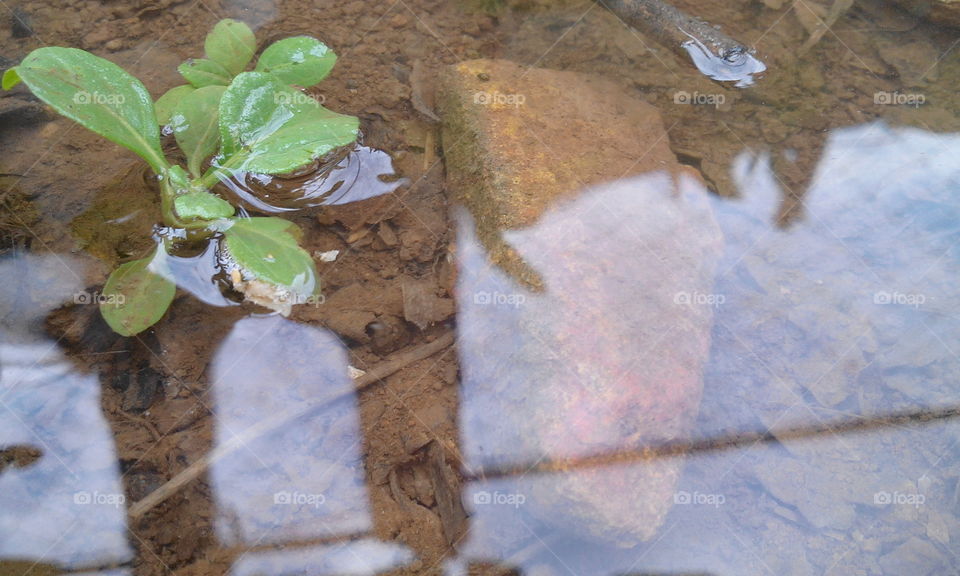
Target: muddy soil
(156,387)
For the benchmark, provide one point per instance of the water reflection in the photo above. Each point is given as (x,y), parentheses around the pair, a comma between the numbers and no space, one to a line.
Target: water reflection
(822,329)
(844,316)
(304,481)
(65,505)
(608,358)
(350,175)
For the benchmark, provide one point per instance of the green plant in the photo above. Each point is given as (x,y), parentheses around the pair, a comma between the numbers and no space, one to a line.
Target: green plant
(227,119)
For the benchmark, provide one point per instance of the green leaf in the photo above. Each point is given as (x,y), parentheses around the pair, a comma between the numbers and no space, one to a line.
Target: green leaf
(273,128)
(177,179)
(135,297)
(10,78)
(267,248)
(231,44)
(201,72)
(300,60)
(194,124)
(166,103)
(202,206)
(97,94)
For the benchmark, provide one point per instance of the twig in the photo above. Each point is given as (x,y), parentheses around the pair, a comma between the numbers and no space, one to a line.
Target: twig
(195,470)
(146,424)
(697,446)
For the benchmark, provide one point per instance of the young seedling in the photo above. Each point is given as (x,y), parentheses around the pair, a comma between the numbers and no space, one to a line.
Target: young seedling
(226,121)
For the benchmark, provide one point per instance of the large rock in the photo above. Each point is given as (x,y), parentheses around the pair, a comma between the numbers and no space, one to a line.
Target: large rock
(517,140)
(594,343)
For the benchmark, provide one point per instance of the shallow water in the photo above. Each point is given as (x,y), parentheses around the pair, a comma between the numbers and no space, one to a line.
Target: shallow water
(796,381)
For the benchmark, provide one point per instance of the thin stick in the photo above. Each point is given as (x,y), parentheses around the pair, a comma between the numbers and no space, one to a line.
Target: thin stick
(195,470)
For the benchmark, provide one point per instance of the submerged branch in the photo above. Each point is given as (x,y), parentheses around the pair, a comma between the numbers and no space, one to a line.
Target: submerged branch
(713,53)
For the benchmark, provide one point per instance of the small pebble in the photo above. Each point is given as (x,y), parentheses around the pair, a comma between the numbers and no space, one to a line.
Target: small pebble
(328,256)
(354,372)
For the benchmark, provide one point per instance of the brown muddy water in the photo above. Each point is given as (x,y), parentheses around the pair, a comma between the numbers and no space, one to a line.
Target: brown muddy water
(781,400)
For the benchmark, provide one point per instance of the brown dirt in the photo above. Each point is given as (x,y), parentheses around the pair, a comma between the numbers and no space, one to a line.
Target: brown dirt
(155,388)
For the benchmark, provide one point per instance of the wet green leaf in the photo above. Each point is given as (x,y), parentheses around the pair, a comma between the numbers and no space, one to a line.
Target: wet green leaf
(201,72)
(202,206)
(134,297)
(165,104)
(300,60)
(10,79)
(274,128)
(177,179)
(231,44)
(194,124)
(97,94)
(267,248)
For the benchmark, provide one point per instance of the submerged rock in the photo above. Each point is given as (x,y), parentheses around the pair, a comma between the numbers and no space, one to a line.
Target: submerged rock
(518,140)
(587,336)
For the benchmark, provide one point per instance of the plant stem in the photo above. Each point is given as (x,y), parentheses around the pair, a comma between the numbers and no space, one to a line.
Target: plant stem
(214,173)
